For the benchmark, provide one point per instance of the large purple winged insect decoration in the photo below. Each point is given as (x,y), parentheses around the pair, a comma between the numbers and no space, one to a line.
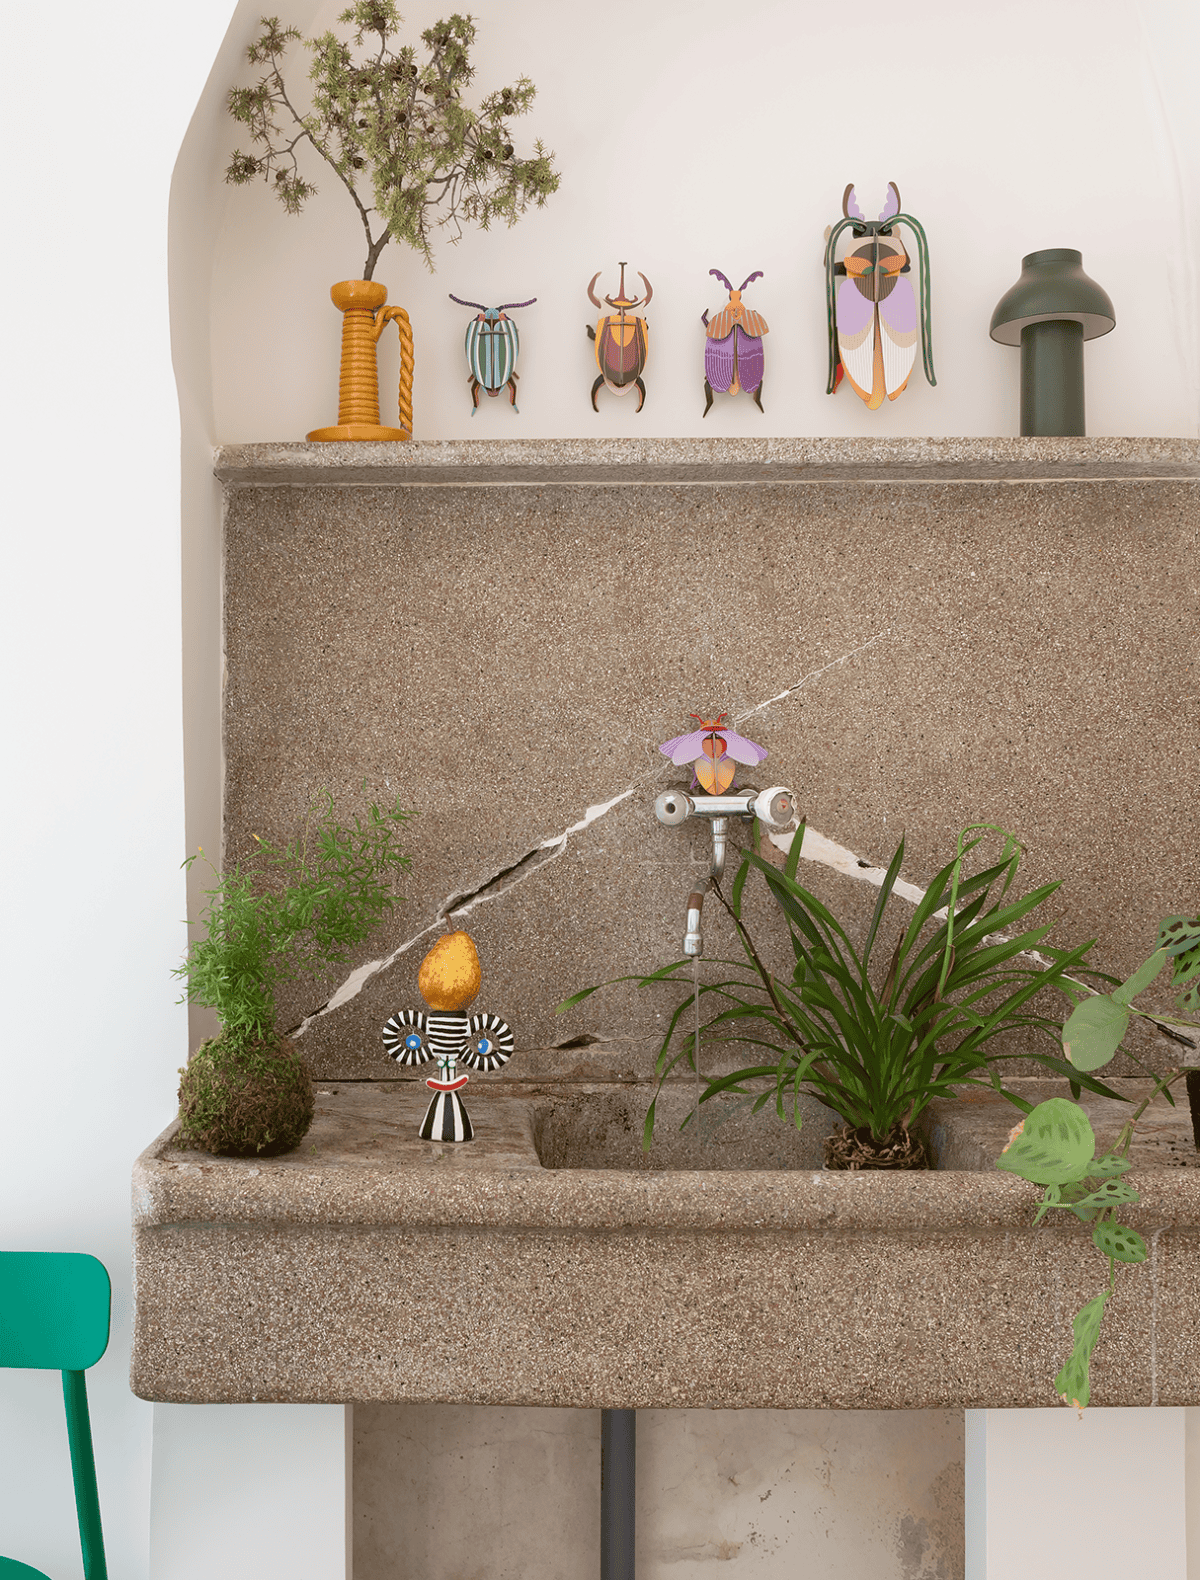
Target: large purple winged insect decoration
(714,751)
(621,341)
(733,352)
(448,981)
(872,311)
(492,345)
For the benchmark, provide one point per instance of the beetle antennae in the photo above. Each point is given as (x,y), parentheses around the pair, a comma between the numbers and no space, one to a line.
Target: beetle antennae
(850,208)
(757,275)
(728,284)
(461,303)
(649,288)
(504,305)
(592,292)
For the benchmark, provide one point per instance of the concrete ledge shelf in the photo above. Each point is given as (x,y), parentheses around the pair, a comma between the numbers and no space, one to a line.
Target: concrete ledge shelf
(683,461)
(369,1266)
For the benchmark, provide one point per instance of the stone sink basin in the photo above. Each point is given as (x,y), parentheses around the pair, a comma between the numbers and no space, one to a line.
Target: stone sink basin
(549,1262)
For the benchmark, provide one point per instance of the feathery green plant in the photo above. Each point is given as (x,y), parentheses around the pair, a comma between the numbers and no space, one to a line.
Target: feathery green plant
(304,907)
(397,134)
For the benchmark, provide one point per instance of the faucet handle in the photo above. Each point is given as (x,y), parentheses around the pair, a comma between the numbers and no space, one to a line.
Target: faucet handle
(673,806)
(776,806)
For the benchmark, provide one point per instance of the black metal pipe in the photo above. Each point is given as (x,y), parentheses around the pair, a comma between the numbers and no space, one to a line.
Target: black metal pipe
(1052,378)
(618,1459)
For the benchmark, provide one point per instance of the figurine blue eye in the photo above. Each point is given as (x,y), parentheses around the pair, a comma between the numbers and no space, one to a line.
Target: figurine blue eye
(412,1040)
(484,1045)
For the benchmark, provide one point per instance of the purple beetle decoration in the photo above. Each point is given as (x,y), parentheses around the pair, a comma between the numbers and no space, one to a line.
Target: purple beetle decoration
(714,750)
(733,355)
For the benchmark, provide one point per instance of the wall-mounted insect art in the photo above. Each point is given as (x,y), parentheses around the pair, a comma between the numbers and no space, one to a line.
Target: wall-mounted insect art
(713,751)
(448,981)
(733,352)
(492,345)
(874,320)
(621,341)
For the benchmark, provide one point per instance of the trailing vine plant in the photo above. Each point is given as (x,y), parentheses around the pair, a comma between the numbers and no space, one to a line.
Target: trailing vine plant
(1055,1146)
(397,133)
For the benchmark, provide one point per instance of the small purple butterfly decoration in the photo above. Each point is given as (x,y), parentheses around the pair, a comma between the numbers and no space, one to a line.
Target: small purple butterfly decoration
(712,750)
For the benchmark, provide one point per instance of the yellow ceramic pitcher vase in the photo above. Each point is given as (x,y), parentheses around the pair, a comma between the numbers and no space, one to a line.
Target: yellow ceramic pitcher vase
(364,318)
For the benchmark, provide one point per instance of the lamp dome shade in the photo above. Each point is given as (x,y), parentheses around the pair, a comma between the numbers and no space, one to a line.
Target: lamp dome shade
(1052,286)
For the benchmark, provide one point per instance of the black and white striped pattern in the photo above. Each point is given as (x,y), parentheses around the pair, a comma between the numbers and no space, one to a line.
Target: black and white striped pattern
(404,1037)
(446,1119)
(494,1045)
(447,1031)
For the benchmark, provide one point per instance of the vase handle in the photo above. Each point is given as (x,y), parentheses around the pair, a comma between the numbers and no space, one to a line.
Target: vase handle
(384,316)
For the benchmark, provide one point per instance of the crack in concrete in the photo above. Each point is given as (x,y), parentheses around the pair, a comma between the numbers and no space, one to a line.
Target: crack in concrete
(813,675)
(457,906)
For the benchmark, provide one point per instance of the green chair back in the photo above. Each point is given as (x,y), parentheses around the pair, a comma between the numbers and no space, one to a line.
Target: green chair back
(54,1316)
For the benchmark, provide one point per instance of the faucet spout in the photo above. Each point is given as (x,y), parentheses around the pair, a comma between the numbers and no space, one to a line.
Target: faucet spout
(693,942)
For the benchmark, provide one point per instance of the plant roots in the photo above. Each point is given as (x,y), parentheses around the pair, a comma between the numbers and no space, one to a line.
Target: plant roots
(848,1148)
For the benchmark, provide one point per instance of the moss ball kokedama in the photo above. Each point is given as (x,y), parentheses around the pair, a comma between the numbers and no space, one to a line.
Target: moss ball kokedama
(300,910)
(245,1102)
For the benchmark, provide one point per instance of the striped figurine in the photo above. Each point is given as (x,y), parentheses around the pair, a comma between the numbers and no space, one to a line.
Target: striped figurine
(448,981)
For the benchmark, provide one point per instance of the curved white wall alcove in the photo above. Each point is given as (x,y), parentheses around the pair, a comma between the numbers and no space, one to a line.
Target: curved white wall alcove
(725,142)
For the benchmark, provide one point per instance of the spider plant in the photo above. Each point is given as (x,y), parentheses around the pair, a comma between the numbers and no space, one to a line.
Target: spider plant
(964,970)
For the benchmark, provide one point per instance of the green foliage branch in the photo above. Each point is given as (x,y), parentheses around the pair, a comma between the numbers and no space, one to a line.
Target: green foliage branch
(303,907)
(1055,1146)
(957,978)
(396,132)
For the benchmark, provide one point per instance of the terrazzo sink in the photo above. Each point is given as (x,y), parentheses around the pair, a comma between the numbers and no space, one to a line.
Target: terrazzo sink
(549,1263)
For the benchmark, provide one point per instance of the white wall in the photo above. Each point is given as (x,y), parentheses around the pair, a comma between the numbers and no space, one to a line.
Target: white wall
(694,135)
(95,108)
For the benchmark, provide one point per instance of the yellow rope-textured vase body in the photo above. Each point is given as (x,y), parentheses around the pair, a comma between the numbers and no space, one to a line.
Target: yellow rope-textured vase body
(364,318)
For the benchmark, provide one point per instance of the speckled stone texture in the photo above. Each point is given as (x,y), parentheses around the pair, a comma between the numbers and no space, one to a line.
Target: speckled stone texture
(705,460)
(988,642)
(373,1267)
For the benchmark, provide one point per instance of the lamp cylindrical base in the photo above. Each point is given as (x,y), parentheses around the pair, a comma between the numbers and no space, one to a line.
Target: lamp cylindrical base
(1052,378)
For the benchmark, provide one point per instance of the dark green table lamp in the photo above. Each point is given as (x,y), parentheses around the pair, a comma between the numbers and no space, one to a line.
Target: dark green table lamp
(1051,310)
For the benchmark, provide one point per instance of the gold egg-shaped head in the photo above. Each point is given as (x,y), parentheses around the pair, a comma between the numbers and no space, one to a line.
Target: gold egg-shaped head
(450,976)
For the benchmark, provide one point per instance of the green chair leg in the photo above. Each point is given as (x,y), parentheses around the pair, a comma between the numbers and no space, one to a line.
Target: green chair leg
(83,1468)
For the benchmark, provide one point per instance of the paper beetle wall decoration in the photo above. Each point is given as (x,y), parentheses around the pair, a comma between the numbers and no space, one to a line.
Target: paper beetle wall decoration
(620,341)
(733,353)
(872,314)
(448,981)
(492,345)
(714,751)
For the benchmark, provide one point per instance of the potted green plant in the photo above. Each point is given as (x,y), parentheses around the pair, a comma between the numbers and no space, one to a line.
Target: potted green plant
(876,1040)
(1055,1145)
(302,908)
(411,153)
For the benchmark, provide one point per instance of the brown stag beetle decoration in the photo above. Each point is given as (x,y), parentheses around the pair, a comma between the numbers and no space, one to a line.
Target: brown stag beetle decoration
(621,341)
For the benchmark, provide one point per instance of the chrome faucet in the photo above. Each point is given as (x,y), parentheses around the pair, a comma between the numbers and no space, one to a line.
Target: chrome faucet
(776,807)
